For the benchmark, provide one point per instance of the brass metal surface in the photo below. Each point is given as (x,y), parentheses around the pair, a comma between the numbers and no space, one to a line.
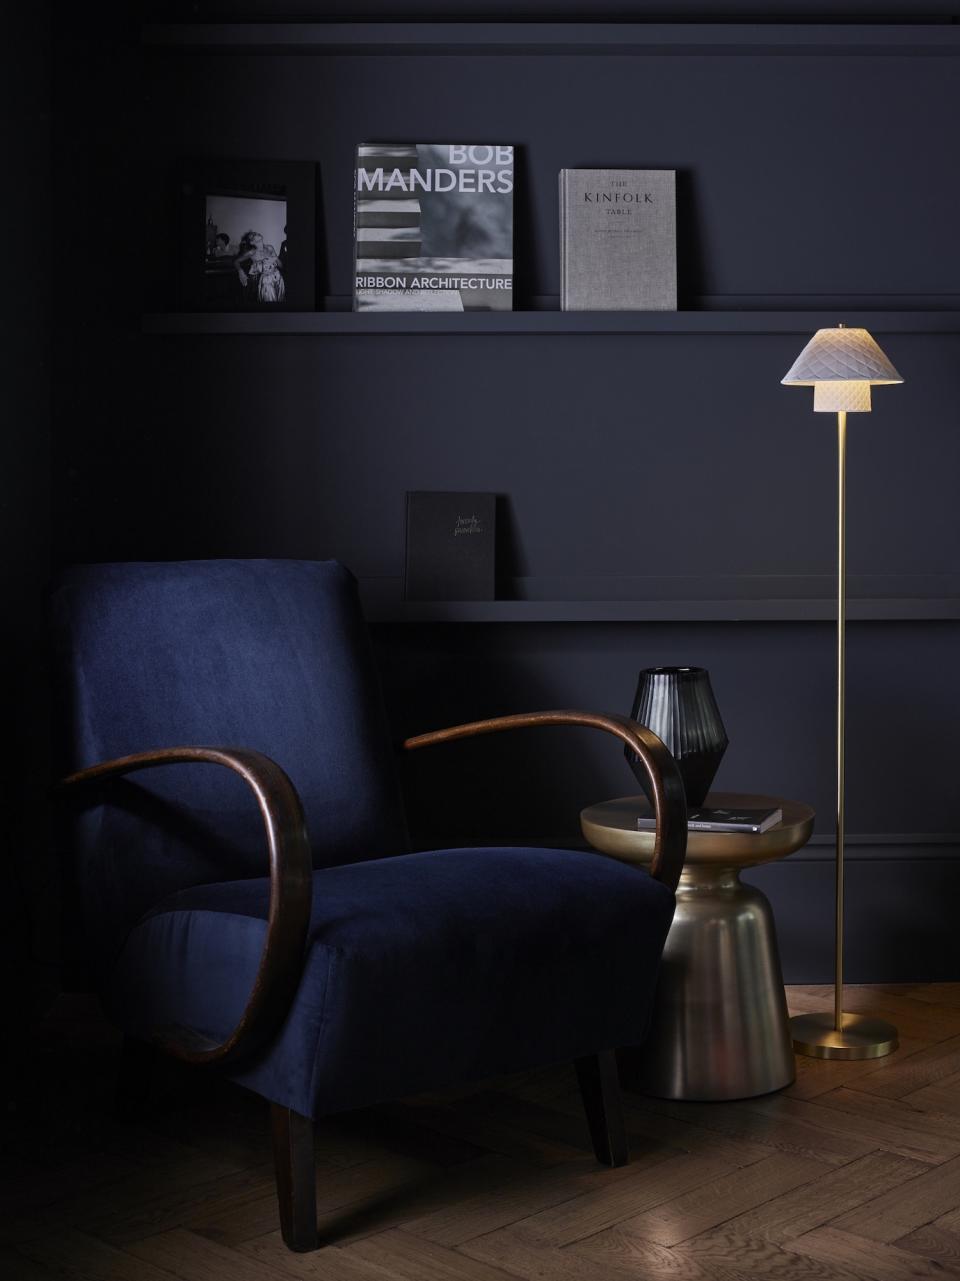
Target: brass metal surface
(611,827)
(841,702)
(719,1027)
(861,1037)
(844,1036)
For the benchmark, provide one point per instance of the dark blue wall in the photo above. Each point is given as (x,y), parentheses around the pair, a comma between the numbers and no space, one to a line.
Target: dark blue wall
(813,181)
(26,879)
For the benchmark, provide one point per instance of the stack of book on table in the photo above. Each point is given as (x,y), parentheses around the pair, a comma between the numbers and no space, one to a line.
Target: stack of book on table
(705,819)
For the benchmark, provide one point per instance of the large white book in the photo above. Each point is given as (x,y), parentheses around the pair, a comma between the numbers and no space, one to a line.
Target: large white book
(434,227)
(618,240)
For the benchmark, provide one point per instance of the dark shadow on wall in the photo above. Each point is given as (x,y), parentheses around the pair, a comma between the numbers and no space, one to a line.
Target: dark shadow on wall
(27,918)
(525,286)
(522,784)
(691,273)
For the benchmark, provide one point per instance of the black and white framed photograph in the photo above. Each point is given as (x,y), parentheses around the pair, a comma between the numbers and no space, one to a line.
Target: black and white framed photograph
(248,235)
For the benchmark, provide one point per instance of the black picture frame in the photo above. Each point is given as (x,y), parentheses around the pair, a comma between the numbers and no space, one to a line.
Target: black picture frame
(228,194)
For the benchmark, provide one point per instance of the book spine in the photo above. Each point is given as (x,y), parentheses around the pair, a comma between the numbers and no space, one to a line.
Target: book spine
(356,241)
(723,827)
(563,241)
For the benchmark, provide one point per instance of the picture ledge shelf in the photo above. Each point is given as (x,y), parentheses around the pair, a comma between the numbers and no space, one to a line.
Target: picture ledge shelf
(721,598)
(938,37)
(545,321)
(910,609)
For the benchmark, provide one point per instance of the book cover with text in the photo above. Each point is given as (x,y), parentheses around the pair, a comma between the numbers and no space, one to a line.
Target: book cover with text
(618,240)
(433,227)
(451,546)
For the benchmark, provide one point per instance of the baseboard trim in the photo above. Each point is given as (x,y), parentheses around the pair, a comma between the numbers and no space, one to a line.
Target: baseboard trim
(858,846)
(881,847)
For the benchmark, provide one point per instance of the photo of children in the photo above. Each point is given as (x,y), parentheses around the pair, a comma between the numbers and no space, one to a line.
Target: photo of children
(246,250)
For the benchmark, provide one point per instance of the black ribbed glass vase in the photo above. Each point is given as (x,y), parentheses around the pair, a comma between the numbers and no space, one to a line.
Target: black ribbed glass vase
(677,703)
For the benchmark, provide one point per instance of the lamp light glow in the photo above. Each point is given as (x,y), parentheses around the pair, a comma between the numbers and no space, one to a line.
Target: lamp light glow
(841,365)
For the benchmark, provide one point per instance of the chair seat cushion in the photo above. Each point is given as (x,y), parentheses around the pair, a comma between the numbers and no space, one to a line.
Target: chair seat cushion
(421,970)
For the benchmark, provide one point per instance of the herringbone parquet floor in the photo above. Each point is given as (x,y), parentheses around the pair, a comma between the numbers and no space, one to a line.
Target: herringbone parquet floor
(853,1172)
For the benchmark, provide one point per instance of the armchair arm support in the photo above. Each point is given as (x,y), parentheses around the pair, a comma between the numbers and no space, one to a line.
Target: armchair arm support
(291,875)
(669,800)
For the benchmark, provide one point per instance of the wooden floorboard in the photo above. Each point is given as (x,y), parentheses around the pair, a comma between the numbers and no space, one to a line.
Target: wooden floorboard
(865,1258)
(851,1174)
(935,1242)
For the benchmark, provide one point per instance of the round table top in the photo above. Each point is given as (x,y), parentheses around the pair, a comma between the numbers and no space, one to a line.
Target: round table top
(611,827)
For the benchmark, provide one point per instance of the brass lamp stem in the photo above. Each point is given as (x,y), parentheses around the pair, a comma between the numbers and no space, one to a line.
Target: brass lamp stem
(842,365)
(841,693)
(839,1035)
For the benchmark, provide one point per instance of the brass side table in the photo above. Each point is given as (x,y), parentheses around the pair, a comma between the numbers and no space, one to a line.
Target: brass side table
(719,1025)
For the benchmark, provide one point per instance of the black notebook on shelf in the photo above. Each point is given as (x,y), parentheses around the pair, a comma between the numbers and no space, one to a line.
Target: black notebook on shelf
(705,819)
(451,543)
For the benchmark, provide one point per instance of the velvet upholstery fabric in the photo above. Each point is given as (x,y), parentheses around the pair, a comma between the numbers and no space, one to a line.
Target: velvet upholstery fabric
(435,967)
(421,969)
(271,655)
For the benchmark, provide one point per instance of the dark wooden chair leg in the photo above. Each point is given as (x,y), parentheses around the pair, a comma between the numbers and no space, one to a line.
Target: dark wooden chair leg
(296,1177)
(135,1075)
(600,1089)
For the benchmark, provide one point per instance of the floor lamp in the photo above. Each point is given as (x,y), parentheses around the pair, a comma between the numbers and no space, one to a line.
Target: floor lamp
(841,365)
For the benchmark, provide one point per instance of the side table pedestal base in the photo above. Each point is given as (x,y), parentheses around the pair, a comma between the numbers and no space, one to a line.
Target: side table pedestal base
(719,1028)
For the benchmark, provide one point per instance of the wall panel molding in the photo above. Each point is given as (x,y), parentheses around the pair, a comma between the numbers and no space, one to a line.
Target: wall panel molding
(933,38)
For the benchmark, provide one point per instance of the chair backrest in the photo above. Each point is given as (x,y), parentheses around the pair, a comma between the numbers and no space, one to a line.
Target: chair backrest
(265,654)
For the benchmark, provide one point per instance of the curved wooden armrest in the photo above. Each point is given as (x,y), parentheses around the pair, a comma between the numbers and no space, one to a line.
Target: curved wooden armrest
(291,878)
(669,800)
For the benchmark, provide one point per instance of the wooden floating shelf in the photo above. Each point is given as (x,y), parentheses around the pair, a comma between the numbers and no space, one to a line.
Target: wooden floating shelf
(499,324)
(938,37)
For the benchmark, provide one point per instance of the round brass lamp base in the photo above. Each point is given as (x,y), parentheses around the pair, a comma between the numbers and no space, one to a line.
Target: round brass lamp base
(862,1038)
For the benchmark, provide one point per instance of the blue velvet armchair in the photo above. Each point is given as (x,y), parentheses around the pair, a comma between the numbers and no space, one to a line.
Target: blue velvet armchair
(266,920)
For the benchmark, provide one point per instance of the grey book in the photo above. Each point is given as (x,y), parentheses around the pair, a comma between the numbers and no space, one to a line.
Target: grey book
(618,240)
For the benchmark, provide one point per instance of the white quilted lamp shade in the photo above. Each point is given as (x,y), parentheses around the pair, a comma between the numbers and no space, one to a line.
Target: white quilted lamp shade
(841,365)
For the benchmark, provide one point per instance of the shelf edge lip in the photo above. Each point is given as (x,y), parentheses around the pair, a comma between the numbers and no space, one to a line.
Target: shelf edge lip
(543,322)
(904,609)
(938,37)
